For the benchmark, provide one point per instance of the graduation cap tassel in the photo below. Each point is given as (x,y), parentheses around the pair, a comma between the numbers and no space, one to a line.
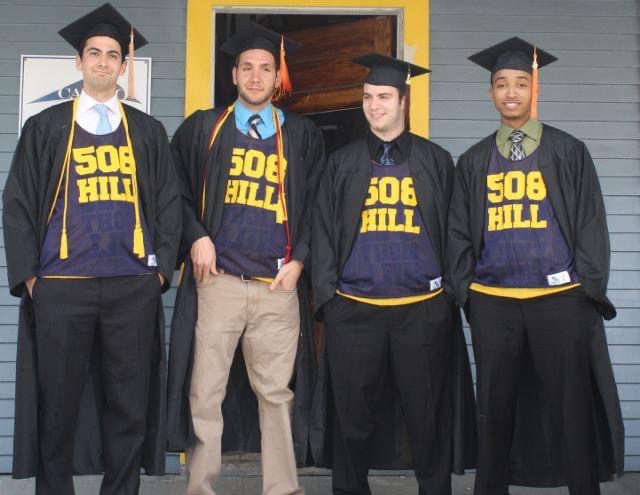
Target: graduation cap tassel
(407,109)
(138,241)
(407,102)
(131,94)
(64,245)
(286,87)
(534,86)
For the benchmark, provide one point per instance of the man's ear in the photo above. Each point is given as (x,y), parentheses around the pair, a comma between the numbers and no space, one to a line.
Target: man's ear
(278,80)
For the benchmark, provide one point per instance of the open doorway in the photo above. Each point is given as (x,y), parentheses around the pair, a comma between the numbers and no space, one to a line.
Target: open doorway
(327,85)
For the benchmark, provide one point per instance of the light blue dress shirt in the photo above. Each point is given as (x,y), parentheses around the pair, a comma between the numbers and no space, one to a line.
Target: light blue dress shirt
(266,127)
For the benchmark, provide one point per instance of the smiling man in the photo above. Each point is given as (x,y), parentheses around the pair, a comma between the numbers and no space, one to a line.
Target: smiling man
(91,220)
(248,176)
(529,251)
(392,332)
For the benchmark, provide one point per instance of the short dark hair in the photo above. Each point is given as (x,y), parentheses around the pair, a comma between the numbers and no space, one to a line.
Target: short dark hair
(276,60)
(83,45)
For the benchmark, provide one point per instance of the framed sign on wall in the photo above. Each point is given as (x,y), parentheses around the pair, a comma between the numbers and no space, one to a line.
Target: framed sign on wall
(46,80)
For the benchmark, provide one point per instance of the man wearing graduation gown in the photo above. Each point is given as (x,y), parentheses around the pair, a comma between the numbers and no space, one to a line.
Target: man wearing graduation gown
(529,251)
(378,272)
(91,219)
(248,175)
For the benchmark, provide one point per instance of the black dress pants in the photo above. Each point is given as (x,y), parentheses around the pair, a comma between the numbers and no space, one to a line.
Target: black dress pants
(556,331)
(412,344)
(118,315)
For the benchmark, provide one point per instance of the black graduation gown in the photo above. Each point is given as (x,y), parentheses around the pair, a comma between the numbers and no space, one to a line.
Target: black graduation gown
(339,203)
(574,192)
(304,150)
(27,198)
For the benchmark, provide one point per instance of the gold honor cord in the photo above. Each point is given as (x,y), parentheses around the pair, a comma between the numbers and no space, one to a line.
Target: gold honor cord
(280,150)
(214,134)
(281,191)
(64,173)
(138,238)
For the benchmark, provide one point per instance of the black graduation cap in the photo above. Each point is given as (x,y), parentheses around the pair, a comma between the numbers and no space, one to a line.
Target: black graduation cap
(103,21)
(514,53)
(251,35)
(389,71)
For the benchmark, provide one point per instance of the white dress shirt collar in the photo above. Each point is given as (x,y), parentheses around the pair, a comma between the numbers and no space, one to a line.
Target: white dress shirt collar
(87,117)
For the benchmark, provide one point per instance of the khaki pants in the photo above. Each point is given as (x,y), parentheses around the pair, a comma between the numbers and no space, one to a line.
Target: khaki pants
(268,324)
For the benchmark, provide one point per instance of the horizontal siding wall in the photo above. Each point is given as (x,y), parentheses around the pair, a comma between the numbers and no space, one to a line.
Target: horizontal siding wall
(592,92)
(30,27)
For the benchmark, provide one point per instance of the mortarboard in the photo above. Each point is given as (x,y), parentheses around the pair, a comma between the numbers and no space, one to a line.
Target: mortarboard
(103,21)
(107,21)
(389,71)
(515,53)
(251,36)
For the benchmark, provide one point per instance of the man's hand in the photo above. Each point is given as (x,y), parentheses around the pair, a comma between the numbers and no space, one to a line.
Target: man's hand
(288,276)
(203,257)
(29,283)
(161,279)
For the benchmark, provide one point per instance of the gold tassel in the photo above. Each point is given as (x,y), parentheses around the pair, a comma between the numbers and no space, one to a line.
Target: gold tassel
(131,90)
(138,242)
(138,238)
(286,88)
(407,102)
(534,86)
(64,246)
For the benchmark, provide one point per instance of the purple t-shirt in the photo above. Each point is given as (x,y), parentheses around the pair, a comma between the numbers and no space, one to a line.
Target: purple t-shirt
(252,236)
(392,255)
(523,244)
(100,213)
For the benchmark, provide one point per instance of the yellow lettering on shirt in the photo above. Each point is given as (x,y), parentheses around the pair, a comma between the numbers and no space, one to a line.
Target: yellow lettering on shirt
(388,220)
(116,162)
(389,191)
(512,186)
(245,185)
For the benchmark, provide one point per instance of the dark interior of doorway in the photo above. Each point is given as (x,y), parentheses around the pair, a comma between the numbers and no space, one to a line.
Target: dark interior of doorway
(339,126)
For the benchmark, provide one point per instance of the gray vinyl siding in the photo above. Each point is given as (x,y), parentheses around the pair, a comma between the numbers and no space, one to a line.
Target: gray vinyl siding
(592,92)
(30,27)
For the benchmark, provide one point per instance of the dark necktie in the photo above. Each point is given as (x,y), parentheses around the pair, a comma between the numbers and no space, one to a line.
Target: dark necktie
(517,153)
(254,120)
(385,158)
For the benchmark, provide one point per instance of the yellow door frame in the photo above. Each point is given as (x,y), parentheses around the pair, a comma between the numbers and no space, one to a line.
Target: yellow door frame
(200,36)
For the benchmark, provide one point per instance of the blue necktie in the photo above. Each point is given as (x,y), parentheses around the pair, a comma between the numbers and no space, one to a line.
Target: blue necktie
(104,126)
(385,159)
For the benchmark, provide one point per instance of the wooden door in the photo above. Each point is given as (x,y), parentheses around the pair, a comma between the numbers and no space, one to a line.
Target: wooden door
(323,75)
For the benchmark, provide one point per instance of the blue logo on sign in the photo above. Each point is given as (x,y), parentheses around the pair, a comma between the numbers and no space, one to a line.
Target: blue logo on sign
(73,90)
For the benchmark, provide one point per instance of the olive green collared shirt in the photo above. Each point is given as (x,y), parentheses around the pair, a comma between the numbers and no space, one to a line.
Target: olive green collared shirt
(533,132)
